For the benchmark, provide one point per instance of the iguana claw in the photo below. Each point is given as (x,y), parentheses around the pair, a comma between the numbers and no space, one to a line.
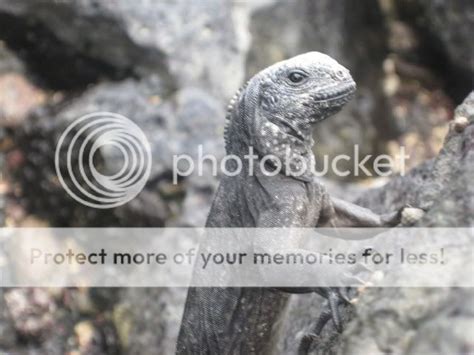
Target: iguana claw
(334,298)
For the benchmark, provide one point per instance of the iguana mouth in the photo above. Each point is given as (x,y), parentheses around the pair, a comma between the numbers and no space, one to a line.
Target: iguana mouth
(334,93)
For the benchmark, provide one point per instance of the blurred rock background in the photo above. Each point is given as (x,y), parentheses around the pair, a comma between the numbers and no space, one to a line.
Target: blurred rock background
(171,67)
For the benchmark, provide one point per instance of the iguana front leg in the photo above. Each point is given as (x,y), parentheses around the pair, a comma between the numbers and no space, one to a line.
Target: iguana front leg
(343,214)
(334,213)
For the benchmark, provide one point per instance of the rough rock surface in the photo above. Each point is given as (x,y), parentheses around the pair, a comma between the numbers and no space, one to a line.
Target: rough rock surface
(156,37)
(174,93)
(153,319)
(441,185)
(7,331)
(409,320)
(173,125)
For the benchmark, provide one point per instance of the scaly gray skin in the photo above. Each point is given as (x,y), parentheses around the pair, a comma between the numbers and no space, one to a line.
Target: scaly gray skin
(275,111)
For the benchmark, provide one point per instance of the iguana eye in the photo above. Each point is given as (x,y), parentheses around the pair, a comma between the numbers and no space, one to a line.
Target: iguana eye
(297,77)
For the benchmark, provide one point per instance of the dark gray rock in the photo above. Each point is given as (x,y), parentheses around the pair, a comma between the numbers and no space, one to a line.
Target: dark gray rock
(174,125)
(167,38)
(37,140)
(408,320)
(173,92)
(7,330)
(441,185)
(153,318)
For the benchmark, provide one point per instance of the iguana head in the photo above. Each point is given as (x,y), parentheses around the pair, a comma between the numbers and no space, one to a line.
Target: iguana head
(279,105)
(298,92)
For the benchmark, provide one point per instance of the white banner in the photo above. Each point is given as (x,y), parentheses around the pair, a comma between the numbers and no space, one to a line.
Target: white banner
(175,257)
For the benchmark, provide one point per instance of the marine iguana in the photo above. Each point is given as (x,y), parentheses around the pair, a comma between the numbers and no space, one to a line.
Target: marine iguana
(274,113)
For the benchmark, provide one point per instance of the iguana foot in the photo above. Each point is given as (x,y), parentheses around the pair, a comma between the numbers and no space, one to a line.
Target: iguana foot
(331,310)
(405,216)
(334,298)
(305,343)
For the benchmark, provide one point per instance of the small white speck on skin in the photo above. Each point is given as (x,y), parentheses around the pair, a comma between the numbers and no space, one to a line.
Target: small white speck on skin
(268,145)
(274,128)
(275,141)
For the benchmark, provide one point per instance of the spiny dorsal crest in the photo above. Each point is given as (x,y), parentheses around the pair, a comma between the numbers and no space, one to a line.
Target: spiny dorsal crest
(230,109)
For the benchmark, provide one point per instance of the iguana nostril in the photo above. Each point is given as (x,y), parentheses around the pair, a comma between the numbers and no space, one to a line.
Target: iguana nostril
(340,74)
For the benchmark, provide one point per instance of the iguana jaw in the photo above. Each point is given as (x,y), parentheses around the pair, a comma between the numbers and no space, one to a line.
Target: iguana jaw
(329,101)
(330,97)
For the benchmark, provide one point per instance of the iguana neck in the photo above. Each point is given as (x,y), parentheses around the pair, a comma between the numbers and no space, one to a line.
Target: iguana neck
(267,133)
